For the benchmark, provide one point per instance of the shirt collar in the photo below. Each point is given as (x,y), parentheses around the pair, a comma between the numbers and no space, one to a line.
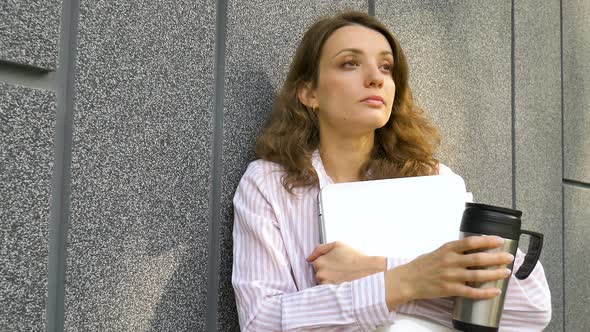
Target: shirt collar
(318,165)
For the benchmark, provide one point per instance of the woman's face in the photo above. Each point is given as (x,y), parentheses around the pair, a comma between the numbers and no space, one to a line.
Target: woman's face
(355,87)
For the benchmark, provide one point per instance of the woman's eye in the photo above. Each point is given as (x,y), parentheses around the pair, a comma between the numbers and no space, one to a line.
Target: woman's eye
(387,67)
(350,63)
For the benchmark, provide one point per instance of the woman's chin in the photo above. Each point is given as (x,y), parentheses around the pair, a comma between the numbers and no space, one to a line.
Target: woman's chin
(372,124)
(375,118)
(363,129)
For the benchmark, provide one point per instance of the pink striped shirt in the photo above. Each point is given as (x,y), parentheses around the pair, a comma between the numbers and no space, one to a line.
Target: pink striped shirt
(275,286)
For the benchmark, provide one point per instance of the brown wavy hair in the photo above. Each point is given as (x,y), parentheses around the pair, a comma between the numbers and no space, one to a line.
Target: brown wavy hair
(405,146)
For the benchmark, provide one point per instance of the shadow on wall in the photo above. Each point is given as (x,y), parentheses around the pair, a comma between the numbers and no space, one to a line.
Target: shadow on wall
(248,102)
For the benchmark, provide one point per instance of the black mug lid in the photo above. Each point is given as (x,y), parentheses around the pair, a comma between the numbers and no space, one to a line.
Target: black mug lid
(491,220)
(512,212)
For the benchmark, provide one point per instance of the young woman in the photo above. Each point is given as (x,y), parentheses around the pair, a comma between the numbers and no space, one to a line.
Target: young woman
(346,113)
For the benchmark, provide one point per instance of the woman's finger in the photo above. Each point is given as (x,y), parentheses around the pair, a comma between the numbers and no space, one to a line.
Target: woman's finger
(482,275)
(475,293)
(322,249)
(476,242)
(483,259)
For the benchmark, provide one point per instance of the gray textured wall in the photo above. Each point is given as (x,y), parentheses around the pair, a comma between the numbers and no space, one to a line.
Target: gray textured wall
(117,172)
(576,90)
(27,119)
(576,235)
(29,32)
(576,153)
(137,255)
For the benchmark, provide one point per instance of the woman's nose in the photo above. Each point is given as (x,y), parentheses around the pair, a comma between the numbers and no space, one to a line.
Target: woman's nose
(374,77)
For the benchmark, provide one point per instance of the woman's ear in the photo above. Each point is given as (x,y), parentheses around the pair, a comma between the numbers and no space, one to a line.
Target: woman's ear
(307,95)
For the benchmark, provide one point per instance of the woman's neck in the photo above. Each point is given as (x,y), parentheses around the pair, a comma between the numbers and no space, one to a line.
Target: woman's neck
(343,158)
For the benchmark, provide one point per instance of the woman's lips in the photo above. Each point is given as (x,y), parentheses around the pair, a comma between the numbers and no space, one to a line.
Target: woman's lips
(373,102)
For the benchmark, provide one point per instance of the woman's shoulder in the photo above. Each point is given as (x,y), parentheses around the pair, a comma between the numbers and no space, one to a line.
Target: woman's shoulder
(264,168)
(269,177)
(263,173)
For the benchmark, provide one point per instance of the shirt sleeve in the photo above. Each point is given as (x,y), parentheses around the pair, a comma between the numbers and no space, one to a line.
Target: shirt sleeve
(267,297)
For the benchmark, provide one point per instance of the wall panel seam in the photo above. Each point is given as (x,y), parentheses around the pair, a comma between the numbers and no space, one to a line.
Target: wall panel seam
(513,100)
(60,196)
(216,166)
(575,183)
(27,76)
(25,67)
(563,255)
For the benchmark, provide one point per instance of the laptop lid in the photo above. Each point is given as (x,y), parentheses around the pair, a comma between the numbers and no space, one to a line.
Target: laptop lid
(402,218)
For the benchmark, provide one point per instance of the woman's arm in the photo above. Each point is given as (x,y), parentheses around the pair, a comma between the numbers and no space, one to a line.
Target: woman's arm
(266,295)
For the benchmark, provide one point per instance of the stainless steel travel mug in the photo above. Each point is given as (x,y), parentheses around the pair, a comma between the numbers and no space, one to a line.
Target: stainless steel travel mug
(481,219)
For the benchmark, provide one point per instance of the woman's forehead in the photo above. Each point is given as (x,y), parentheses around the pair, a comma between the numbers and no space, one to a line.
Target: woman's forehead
(357,38)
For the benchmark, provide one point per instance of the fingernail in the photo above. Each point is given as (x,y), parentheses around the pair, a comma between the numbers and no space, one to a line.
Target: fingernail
(497,292)
(511,257)
(507,272)
(500,240)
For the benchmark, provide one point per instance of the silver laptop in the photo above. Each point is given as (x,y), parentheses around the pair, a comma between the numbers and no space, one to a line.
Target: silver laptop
(403,218)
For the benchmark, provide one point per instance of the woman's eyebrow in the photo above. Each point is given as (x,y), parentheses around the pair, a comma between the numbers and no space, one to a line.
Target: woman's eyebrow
(358,51)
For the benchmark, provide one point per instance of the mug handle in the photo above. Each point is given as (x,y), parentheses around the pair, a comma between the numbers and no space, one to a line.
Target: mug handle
(532,255)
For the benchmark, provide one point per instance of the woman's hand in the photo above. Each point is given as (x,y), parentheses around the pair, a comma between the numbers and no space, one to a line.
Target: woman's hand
(335,263)
(445,271)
